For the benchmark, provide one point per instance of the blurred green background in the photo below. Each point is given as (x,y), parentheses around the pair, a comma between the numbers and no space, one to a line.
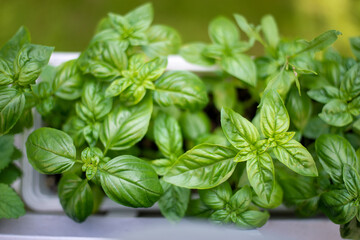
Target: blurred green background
(69,24)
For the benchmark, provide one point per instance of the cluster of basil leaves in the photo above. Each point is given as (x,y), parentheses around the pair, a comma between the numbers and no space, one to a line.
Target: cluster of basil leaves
(126,122)
(21,63)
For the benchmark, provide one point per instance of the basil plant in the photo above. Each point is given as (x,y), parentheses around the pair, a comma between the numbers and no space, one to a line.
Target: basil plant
(257,132)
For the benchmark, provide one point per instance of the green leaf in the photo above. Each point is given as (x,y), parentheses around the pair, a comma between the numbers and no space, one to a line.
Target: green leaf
(94,106)
(222,31)
(194,125)
(197,208)
(275,200)
(153,69)
(350,230)
(174,202)
(280,81)
(13,46)
(252,219)
(6,75)
(241,200)
(320,42)
(270,30)
(218,197)
(338,205)
(274,118)
(240,66)
(350,85)
(204,166)
(9,174)
(12,104)
(239,131)
(50,151)
(162,165)
(182,89)
(141,17)
(299,108)
(224,94)
(194,53)
(351,180)
(6,150)
(355,46)
(261,175)
(118,86)
(76,197)
(168,136)
(333,152)
(324,94)
(130,181)
(315,128)
(11,205)
(354,106)
(163,41)
(250,30)
(68,81)
(29,63)
(296,157)
(221,216)
(336,113)
(104,60)
(125,126)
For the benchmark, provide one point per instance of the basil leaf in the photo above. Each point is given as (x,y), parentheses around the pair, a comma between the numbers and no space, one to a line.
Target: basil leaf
(12,104)
(182,89)
(125,126)
(9,174)
(29,63)
(11,205)
(195,125)
(270,30)
(197,208)
(221,216)
(76,197)
(355,46)
(299,108)
(354,106)
(141,17)
(324,94)
(241,200)
(13,46)
(168,136)
(252,219)
(296,157)
(250,31)
(351,180)
(280,81)
(275,200)
(218,197)
(6,75)
(322,41)
(153,69)
(350,85)
(336,113)
(130,181)
(261,175)
(240,66)
(174,202)
(350,230)
(118,86)
(163,41)
(204,166)
(315,128)
(333,152)
(50,151)
(240,132)
(68,81)
(162,165)
(7,150)
(194,53)
(222,31)
(104,60)
(224,94)
(338,205)
(274,118)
